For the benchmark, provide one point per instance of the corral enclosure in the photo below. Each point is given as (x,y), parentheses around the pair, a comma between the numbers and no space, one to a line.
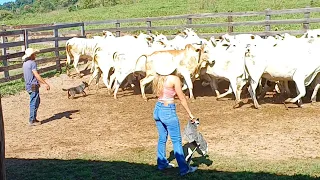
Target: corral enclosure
(96,137)
(51,38)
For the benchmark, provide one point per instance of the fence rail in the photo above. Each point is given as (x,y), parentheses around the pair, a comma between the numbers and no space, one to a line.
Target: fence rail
(52,33)
(24,43)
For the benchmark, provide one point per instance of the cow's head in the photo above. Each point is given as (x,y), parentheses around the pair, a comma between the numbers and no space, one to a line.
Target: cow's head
(107,34)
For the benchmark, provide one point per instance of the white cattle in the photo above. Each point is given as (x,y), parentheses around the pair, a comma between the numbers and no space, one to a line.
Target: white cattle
(106,51)
(188,60)
(226,62)
(76,47)
(286,61)
(311,33)
(190,37)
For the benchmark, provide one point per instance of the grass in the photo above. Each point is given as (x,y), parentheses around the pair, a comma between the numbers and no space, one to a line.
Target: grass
(154,8)
(102,168)
(16,86)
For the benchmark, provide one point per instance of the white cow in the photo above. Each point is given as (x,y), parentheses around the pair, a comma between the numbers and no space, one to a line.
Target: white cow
(188,60)
(311,33)
(76,47)
(285,61)
(226,62)
(190,37)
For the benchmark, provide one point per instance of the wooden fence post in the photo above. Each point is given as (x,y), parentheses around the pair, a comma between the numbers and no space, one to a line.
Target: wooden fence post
(189,20)
(149,27)
(306,25)
(56,45)
(23,48)
(230,27)
(4,61)
(83,33)
(26,39)
(117,31)
(2,144)
(268,18)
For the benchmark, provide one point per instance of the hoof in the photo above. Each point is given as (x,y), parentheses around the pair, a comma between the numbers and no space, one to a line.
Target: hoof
(313,103)
(236,106)
(299,103)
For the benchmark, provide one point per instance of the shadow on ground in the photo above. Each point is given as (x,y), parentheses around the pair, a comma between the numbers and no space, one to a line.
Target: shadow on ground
(61,115)
(27,169)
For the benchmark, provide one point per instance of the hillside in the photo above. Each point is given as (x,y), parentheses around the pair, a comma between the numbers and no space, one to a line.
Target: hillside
(152,8)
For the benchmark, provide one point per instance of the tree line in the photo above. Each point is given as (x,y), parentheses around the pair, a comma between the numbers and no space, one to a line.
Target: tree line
(9,9)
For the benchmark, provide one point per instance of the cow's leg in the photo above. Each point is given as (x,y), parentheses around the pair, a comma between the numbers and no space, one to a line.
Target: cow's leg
(213,83)
(265,89)
(185,86)
(113,78)
(105,80)
(286,87)
(143,83)
(75,64)
(252,91)
(314,94)
(68,64)
(130,80)
(94,75)
(186,76)
(117,85)
(226,93)
(233,87)
(301,89)
(240,83)
(92,66)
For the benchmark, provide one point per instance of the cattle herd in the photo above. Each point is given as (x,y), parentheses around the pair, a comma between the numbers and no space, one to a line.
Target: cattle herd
(240,59)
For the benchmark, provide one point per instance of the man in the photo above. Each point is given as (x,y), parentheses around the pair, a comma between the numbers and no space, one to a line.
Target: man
(32,79)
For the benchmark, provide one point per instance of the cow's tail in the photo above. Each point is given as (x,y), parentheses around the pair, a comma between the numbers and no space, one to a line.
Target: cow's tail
(247,72)
(69,55)
(138,60)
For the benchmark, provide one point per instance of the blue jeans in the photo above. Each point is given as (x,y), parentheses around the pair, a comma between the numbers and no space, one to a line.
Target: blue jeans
(34,105)
(168,122)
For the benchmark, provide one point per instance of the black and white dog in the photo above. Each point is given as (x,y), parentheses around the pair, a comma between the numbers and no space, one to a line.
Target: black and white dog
(195,140)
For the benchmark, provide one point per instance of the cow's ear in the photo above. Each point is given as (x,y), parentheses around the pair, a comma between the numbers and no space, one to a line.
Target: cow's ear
(104,32)
(135,36)
(252,37)
(162,43)
(149,38)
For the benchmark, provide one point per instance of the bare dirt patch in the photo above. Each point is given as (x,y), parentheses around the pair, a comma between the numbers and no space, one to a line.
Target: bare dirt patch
(98,125)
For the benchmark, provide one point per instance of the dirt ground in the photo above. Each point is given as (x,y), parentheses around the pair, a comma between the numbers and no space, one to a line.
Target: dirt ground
(101,126)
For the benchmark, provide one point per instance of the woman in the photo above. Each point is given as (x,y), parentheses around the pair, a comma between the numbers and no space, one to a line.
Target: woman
(166,85)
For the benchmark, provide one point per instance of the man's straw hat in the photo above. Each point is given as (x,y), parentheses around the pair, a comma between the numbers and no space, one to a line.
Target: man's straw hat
(29,52)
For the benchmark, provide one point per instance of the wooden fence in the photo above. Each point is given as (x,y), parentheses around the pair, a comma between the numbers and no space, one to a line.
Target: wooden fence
(55,35)
(229,24)
(26,41)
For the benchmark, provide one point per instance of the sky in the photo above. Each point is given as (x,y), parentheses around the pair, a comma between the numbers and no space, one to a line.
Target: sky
(4,1)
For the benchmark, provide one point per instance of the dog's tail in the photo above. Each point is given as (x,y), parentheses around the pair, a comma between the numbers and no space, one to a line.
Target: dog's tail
(65,89)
